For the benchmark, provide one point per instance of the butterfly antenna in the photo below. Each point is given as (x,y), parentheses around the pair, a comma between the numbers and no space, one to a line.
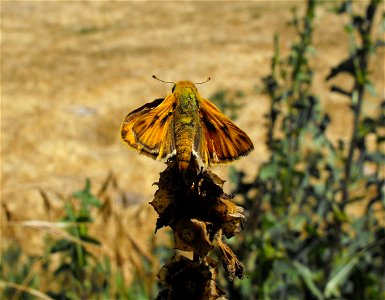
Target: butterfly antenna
(153,76)
(208,79)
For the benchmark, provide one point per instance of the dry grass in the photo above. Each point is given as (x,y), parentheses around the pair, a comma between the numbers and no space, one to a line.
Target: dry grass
(71,71)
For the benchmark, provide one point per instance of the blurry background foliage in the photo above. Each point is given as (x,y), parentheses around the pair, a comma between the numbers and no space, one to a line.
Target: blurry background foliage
(300,241)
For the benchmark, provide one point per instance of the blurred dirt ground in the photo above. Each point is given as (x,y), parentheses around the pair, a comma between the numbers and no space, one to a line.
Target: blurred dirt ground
(71,71)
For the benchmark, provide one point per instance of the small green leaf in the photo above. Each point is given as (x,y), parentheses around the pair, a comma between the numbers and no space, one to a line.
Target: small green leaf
(298,222)
(87,197)
(83,219)
(376,157)
(308,277)
(268,171)
(61,245)
(331,289)
(371,89)
(90,240)
(341,215)
(269,251)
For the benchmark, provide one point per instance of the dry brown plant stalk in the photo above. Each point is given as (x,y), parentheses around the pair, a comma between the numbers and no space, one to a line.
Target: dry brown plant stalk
(200,214)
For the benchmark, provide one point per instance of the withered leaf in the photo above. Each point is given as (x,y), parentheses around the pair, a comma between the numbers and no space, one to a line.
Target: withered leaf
(192,235)
(230,262)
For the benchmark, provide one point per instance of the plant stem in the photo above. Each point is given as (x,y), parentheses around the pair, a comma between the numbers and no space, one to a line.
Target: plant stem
(360,64)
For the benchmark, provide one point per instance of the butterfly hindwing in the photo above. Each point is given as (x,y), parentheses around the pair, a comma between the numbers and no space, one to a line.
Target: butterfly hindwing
(202,129)
(149,128)
(224,141)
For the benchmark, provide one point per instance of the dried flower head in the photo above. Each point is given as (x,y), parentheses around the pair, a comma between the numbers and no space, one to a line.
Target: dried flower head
(187,279)
(194,205)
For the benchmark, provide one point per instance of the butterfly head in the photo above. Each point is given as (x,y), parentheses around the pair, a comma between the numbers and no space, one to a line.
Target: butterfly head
(184,85)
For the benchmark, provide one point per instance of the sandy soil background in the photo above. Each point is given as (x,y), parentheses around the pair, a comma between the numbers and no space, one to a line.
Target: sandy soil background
(71,71)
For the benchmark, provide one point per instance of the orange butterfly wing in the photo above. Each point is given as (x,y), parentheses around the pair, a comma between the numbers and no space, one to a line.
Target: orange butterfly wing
(223,140)
(149,128)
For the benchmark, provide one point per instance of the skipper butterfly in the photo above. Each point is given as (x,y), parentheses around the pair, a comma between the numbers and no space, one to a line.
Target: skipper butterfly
(185,124)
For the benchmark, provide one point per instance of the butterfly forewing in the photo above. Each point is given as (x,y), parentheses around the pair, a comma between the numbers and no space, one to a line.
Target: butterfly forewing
(224,140)
(131,118)
(200,127)
(149,128)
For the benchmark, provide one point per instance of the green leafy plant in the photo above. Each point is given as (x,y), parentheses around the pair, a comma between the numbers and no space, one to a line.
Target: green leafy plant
(300,242)
(76,268)
(72,266)
(14,268)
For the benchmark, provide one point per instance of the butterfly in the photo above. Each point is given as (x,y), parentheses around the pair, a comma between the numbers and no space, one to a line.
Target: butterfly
(184,124)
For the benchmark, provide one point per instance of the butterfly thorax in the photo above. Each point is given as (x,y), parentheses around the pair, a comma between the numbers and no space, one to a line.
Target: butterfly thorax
(186,121)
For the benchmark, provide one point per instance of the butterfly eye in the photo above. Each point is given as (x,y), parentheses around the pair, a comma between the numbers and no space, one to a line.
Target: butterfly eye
(173,88)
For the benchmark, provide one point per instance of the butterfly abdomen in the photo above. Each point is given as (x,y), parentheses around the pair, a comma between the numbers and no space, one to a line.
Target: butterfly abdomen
(186,119)
(184,135)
